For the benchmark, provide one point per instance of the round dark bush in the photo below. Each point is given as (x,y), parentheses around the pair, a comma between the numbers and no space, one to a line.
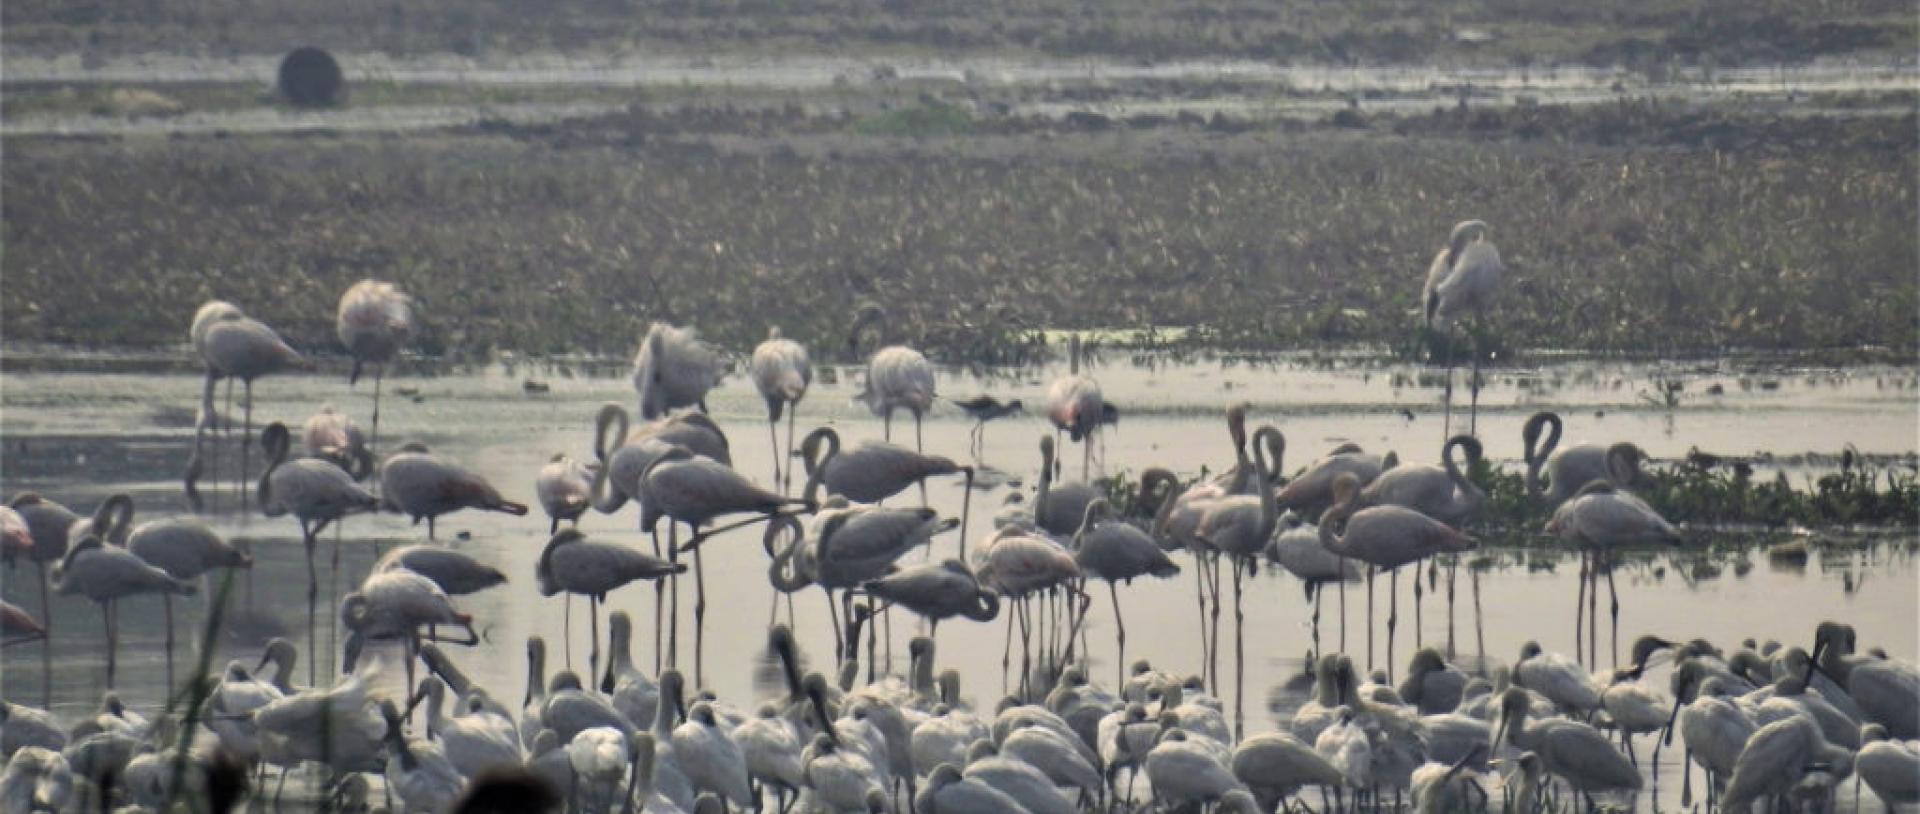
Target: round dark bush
(310,77)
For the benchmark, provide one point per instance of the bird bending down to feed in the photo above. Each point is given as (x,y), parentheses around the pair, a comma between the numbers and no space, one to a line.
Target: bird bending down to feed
(672,369)
(1463,280)
(422,485)
(375,321)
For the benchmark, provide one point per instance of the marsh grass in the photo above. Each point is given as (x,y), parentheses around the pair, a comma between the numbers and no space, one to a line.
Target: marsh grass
(569,239)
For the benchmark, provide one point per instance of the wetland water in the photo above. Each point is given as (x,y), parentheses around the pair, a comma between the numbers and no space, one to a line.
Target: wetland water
(78,436)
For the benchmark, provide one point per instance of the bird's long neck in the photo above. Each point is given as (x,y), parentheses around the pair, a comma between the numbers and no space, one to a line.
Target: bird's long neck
(1536,459)
(1470,492)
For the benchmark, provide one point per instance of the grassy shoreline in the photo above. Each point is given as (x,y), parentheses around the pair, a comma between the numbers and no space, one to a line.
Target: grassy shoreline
(1628,229)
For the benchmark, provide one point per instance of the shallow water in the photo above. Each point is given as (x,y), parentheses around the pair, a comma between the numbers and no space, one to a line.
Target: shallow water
(79,436)
(1407,89)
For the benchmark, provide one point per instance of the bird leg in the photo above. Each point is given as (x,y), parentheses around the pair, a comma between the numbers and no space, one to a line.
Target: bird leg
(1343,605)
(1393,613)
(106,621)
(1418,592)
(1453,568)
(659,605)
(773,443)
(966,508)
(1120,634)
(1473,386)
(593,628)
(246,446)
(1239,658)
(1446,424)
(1213,647)
(313,607)
(373,443)
(699,619)
(1370,572)
(1593,613)
(1479,629)
(167,600)
(1006,654)
(786,478)
(1200,602)
(46,653)
(918,444)
(673,605)
(839,640)
(1318,590)
(1026,648)
(1614,594)
(1579,613)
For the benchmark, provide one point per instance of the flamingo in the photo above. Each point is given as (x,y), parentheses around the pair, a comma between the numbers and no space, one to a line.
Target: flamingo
(419,484)
(316,493)
(18,626)
(1075,405)
(1444,493)
(982,409)
(395,604)
(1116,551)
(1058,508)
(333,437)
(1384,537)
(47,526)
(849,546)
(186,549)
(781,372)
(873,471)
(1312,492)
(572,563)
(245,349)
(1464,279)
(1297,549)
(1018,566)
(674,369)
(564,488)
(1601,518)
(936,592)
(898,377)
(1573,467)
(694,491)
(455,572)
(204,318)
(1239,527)
(1576,752)
(107,574)
(374,322)
(623,466)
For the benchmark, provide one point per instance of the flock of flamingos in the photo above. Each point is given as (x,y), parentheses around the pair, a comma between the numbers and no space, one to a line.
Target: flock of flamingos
(1773,725)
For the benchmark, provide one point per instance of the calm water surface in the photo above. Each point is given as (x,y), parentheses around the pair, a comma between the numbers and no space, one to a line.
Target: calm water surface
(80,436)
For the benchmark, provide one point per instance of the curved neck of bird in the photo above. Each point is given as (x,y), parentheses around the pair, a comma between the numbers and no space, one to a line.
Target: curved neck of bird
(606,497)
(643,759)
(1469,491)
(436,715)
(1087,522)
(610,415)
(1169,485)
(986,606)
(1336,515)
(1237,432)
(114,519)
(1537,458)
(815,454)
(1046,481)
(275,445)
(1269,506)
(785,573)
(1276,446)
